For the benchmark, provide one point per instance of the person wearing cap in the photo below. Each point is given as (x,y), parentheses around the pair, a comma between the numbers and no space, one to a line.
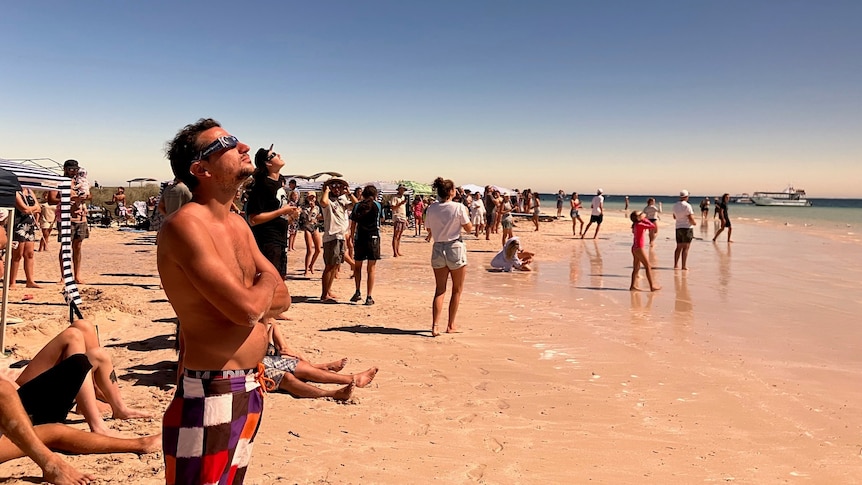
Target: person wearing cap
(221,287)
(80,230)
(597,213)
(334,202)
(398,203)
(268,209)
(683,214)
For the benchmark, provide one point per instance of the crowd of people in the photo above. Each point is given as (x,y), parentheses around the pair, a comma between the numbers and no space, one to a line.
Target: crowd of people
(222,257)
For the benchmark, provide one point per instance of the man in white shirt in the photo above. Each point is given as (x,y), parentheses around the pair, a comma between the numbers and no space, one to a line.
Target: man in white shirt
(398,203)
(684,216)
(333,203)
(597,213)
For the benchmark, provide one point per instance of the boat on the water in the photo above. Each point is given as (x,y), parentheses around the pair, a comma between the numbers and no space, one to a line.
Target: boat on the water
(742,198)
(789,197)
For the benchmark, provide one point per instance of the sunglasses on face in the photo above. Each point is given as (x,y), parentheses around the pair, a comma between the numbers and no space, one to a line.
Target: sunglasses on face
(271,156)
(221,143)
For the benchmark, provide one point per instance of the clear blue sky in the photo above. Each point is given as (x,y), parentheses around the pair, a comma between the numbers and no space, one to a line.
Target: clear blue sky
(641,97)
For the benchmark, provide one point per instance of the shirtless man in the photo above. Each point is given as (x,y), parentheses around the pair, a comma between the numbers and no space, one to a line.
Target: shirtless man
(220,286)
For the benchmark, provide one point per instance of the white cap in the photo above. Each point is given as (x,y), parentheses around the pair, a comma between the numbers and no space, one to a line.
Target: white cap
(683,193)
(600,191)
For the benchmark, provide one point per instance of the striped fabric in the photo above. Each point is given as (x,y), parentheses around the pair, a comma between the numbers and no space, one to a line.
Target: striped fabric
(32,175)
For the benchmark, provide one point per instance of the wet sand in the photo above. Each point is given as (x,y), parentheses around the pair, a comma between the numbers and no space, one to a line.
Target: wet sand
(744,368)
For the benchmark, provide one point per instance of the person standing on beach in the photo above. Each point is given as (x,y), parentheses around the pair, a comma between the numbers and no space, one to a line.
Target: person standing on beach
(640,225)
(221,286)
(175,195)
(597,213)
(398,203)
(561,196)
(490,211)
(723,217)
(334,204)
(704,209)
(444,220)
(651,211)
(684,216)
(574,213)
(269,213)
(80,230)
(365,232)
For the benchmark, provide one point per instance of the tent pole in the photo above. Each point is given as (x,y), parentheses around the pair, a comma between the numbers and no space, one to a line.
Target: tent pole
(7,270)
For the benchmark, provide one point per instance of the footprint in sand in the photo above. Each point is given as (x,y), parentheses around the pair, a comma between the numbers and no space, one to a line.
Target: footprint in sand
(484,372)
(477,472)
(493,445)
(501,404)
(467,419)
(421,430)
(482,386)
(439,375)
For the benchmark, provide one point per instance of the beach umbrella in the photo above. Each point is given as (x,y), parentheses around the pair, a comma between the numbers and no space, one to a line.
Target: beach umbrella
(473,188)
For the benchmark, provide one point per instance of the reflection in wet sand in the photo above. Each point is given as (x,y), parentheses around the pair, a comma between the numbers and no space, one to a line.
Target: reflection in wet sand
(723,253)
(683,309)
(596,264)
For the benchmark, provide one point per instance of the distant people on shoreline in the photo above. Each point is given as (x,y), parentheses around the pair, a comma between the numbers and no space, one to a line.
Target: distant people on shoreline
(683,214)
(652,211)
(724,218)
(561,196)
(575,214)
(704,209)
(597,213)
(640,225)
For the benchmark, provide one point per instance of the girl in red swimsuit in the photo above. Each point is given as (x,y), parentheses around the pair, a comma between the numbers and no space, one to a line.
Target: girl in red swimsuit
(640,225)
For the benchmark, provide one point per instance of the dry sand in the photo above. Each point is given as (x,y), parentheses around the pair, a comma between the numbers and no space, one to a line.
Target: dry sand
(745,368)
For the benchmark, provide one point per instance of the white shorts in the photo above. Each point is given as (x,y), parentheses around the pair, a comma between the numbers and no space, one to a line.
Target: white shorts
(451,254)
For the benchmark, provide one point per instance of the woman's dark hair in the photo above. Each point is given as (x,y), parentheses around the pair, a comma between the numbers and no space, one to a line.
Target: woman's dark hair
(369,194)
(183,150)
(443,187)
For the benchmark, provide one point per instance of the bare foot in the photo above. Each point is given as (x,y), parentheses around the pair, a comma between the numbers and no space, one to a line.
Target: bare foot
(151,444)
(364,378)
(344,393)
(452,329)
(59,472)
(655,288)
(434,331)
(79,281)
(33,285)
(336,366)
(130,413)
(634,288)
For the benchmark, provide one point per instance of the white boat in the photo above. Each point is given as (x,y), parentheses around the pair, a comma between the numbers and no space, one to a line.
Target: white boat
(742,198)
(789,197)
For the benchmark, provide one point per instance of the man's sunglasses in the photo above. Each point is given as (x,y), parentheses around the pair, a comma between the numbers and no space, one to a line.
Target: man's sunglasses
(221,143)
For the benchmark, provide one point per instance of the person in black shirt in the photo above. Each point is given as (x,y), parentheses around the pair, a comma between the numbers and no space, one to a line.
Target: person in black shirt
(721,208)
(268,211)
(365,232)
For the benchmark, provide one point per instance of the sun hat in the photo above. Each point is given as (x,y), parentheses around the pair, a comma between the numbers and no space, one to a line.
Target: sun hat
(683,193)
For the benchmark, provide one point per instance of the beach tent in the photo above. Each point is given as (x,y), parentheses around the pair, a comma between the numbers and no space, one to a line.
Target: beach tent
(473,188)
(36,177)
(418,188)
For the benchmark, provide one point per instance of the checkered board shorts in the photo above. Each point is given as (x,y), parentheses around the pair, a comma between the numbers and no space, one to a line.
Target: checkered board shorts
(209,427)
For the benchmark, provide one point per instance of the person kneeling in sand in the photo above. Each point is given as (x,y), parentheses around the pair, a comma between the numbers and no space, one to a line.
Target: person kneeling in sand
(512,257)
(291,373)
(60,375)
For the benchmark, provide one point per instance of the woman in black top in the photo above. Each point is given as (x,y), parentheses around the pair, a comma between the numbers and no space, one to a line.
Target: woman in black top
(365,229)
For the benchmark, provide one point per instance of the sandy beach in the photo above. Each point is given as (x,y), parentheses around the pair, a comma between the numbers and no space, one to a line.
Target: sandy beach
(745,369)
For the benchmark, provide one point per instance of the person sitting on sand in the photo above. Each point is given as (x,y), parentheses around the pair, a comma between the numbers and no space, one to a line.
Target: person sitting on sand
(59,375)
(512,257)
(291,373)
(20,438)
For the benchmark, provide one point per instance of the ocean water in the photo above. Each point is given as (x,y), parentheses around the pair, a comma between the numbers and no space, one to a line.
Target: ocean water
(831,216)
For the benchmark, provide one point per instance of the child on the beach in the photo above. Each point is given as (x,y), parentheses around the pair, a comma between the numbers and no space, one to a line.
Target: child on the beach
(640,225)
(418,214)
(512,257)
